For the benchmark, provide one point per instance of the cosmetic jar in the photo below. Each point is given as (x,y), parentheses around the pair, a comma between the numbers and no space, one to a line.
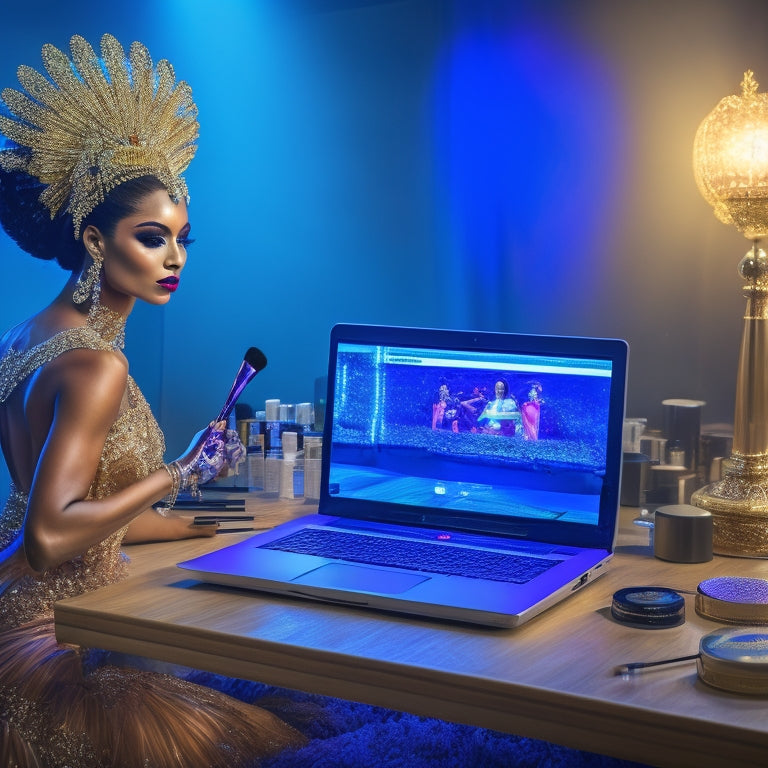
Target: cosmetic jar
(735,660)
(733,599)
(648,607)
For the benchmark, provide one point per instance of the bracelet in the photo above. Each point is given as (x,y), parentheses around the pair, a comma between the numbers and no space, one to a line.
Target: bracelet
(194,491)
(174,470)
(187,480)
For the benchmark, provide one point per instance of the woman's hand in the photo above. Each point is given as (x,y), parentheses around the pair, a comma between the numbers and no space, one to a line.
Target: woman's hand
(204,457)
(150,526)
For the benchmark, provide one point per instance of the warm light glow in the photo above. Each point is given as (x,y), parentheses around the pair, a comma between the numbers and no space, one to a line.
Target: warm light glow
(730,160)
(746,153)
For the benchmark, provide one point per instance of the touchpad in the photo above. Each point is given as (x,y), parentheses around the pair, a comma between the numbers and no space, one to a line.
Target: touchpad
(359,578)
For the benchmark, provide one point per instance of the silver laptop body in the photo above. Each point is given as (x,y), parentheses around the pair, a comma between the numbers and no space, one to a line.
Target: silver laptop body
(465,476)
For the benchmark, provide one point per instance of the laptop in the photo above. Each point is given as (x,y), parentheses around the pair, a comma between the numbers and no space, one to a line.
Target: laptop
(466,476)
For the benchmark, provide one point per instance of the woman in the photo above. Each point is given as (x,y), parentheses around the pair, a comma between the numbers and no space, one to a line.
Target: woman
(532,411)
(92,177)
(501,416)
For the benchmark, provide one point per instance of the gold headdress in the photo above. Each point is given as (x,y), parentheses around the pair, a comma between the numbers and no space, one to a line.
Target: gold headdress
(101,122)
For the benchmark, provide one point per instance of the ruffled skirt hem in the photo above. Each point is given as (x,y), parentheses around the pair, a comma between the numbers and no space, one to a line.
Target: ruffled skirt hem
(55,710)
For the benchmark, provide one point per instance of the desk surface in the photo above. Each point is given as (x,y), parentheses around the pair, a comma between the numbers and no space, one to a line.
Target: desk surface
(551,679)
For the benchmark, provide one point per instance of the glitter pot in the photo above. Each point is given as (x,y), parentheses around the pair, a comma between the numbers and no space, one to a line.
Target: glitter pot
(648,607)
(733,599)
(735,660)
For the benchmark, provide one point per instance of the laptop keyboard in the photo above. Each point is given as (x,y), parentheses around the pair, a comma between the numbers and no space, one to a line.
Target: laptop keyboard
(449,560)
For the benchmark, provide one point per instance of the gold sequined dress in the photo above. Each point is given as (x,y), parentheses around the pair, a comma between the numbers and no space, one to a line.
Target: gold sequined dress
(57,708)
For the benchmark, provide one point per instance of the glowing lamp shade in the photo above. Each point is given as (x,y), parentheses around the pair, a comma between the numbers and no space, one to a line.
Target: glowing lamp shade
(730,159)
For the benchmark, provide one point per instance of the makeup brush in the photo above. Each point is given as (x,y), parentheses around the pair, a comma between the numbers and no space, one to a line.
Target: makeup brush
(254,361)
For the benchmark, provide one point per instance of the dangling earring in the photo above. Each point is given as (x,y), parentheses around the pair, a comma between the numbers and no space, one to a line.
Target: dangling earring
(110,325)
(84,287)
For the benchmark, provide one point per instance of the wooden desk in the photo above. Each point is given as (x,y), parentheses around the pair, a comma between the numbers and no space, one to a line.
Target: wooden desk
(550,679)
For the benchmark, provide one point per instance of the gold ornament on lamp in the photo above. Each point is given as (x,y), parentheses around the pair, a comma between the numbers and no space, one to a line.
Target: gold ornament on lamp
(730,161)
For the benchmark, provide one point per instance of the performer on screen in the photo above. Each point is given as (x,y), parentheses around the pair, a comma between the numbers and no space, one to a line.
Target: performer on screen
(501,416)
(531,411)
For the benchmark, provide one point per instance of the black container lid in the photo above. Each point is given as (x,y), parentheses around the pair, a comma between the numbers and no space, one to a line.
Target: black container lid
(648,607)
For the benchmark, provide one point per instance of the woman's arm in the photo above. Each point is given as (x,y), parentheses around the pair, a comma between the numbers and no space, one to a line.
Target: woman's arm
(151,526)
(86,388)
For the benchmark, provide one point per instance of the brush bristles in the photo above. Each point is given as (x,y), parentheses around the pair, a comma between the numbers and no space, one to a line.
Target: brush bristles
(256,359)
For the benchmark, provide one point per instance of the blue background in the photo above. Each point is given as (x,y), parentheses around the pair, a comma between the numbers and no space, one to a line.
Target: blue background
(467,163)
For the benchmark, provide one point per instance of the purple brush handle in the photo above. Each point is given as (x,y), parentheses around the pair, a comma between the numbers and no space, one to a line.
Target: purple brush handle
(244,376)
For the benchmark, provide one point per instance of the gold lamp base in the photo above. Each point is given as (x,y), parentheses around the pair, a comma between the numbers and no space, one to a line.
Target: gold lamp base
(739,507)
(739,502)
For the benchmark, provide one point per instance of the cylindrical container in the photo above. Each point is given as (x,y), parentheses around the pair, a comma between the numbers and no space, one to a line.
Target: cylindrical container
(733,599)
(290,443)
(676,455)
(272,467)
(255,466)
(682,534)
(305,415)
(682,424)
(634,479)
(287,468)
(313,447)
(655,448)
(648,607)
(631,434)
(313,452)
(735,660)
(243,430)
(287,413)
(272,425)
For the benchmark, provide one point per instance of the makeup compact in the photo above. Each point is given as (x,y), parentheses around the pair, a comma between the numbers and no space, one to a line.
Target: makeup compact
(735,660)
(648,607)
(733,599)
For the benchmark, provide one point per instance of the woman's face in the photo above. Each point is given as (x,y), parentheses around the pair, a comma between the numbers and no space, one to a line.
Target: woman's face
(500,390)
(148,249)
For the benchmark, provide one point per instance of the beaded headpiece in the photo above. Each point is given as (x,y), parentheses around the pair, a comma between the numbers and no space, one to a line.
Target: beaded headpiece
(99,123)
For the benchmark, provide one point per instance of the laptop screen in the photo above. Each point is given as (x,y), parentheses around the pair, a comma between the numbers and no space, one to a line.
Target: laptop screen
(491,432)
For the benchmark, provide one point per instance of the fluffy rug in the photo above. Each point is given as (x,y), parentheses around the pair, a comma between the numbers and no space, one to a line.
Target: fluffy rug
(347,735)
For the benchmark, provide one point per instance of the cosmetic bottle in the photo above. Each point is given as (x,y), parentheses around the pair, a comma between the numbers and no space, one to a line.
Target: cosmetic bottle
(313,451)
(292,468)
(272,414)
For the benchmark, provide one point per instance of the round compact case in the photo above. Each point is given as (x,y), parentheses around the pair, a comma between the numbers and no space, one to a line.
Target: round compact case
(735,660)
(648,607)
(733,599)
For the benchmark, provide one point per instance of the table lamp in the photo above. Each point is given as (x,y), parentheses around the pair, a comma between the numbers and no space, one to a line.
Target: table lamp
(730,161)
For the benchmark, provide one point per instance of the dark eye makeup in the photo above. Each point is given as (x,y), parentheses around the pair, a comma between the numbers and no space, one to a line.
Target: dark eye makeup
(150,240)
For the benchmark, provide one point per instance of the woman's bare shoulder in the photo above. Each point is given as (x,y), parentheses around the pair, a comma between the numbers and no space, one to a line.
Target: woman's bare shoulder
(86,367)
(82,380)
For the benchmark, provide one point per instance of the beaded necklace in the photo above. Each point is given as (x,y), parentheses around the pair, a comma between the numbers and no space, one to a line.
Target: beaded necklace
(110,325)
